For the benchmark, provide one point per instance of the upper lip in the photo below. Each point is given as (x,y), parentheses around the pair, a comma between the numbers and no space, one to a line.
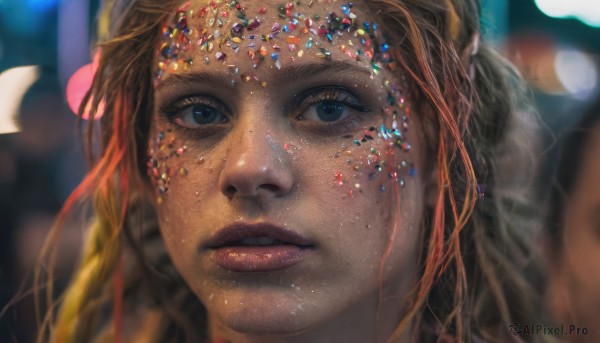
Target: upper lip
(238,231)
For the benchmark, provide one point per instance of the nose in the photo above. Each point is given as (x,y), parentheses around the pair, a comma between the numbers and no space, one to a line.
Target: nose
(256,166)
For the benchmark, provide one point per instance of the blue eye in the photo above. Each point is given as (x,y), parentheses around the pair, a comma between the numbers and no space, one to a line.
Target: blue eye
(330,110)
(196,112)
(204,114)
(327,106)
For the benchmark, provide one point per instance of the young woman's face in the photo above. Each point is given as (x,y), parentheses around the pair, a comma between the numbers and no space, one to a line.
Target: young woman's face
(576,279)
(280,137)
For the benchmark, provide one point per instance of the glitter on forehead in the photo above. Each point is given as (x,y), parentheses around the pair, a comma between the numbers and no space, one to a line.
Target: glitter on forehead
(266,37)
(224,27)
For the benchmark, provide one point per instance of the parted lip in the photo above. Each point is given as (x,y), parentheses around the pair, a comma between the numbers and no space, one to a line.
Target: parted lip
(237,231)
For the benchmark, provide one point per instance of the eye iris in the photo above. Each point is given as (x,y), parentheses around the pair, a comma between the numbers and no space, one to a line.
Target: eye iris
(204,114)
(330,110)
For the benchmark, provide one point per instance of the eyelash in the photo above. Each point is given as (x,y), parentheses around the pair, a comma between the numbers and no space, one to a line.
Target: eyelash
(172,109)
(301,104)
(335,94)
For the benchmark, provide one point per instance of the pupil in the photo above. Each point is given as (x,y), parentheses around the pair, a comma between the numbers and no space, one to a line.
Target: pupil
(330,110)
(204,114)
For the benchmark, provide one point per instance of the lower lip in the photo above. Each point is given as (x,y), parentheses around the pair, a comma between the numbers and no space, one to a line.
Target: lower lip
(259,258)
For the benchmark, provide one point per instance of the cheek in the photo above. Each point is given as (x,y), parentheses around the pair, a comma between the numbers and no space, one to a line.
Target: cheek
(368,184)
(177,169)
(376,161)
(373,178)
(164,158)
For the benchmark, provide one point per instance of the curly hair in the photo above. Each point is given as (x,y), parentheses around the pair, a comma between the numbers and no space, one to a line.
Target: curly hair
(471,282)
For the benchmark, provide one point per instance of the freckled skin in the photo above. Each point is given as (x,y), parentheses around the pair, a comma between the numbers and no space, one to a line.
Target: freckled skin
(575,278)
(264,164)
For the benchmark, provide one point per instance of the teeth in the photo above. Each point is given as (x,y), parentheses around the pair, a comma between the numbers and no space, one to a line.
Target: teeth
(258,241)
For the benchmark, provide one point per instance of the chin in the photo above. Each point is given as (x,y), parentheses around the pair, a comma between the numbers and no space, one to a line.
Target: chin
(260,314)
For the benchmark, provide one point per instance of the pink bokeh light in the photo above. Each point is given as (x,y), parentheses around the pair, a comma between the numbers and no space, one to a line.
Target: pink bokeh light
(79,83)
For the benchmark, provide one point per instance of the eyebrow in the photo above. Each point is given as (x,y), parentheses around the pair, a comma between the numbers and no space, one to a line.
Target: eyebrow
(298,72)
(208,77)
(287,74)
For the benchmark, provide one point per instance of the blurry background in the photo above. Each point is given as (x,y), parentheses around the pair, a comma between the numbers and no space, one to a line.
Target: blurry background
(554,43)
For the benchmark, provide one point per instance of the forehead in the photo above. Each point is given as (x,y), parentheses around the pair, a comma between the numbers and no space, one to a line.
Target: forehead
(247,36)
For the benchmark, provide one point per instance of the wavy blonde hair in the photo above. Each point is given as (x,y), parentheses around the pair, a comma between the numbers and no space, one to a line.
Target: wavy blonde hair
(471,280)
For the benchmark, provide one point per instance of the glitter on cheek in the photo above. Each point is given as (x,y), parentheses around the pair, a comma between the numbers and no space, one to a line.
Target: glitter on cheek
(391,133)
(339,178)
(164,161)
(221,29)
(376,153)
(372,176)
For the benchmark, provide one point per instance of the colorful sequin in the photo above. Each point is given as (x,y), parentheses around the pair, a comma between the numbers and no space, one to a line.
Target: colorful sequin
(212,33)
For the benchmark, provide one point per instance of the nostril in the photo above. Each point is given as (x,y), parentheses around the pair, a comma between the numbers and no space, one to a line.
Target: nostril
(230,191)
(271,188)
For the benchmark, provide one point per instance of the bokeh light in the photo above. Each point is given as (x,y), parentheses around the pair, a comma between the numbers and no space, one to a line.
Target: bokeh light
(79,84)
(42,5)
(577,73)
(587,11)
(26,18)
(14,84)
